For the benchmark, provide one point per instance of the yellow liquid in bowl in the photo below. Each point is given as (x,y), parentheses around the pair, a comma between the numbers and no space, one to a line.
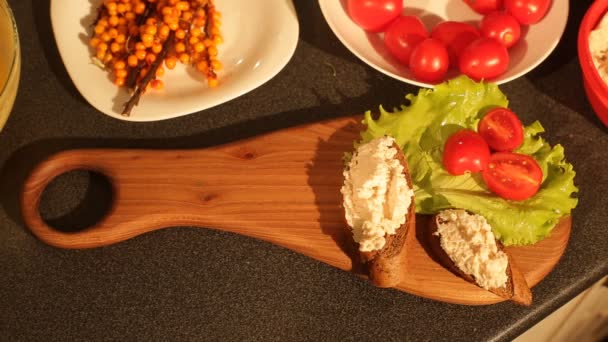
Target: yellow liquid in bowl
(10,62)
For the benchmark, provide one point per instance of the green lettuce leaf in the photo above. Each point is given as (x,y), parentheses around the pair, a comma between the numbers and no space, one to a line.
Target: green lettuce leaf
(422,127)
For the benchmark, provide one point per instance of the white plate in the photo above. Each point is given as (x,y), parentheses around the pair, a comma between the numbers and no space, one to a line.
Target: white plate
(537,43)
(259,39)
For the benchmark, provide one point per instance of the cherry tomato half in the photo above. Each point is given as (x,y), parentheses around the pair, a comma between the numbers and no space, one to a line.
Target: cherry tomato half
(484,6)
(501,26)
(485,58)
(429,61)
(455,36)
(501,129)
(528,12)
(374,15)
(464,151)
(513,176)
(403,35)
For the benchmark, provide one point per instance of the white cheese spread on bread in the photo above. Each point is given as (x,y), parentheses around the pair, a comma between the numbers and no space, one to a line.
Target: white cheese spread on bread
(469,241)
(376,194)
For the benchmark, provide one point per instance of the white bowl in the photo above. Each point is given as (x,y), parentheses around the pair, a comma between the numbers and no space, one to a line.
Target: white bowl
(259,39)
(538,41)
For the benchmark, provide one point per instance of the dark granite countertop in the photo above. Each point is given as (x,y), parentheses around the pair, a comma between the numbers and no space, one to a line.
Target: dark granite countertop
(200,284)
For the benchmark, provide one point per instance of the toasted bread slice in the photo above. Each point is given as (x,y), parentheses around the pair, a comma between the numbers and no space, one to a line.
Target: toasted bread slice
(385,265)
(516,288)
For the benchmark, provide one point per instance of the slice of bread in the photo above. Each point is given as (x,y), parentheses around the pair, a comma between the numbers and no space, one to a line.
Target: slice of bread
(516,288)
(385,266)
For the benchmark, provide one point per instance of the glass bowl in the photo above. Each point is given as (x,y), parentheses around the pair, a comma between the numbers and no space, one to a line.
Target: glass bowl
(10,61)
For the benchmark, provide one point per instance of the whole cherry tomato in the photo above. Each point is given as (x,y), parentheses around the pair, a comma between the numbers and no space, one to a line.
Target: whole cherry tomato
(455,35)
(484,6)
(403,35)
(430,61)
(485,58)
(528,12)
(513,176)
(374,15)
(501,129)
(501,26)
(465,151)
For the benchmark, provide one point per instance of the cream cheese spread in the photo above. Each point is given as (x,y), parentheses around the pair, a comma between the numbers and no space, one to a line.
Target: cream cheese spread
(469,241)
(376,194)
(598,45)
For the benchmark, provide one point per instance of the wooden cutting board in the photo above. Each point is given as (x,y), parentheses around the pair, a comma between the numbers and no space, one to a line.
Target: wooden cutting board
(282,187)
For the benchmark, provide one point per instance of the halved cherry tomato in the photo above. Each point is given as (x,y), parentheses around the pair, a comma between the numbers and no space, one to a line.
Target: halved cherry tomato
(429,61)
(513,176)
(501,129)
(374,15)
(484,6)
(528,12)
(485,58)
(403,35)
(464,151)
(501,26)
(455,35)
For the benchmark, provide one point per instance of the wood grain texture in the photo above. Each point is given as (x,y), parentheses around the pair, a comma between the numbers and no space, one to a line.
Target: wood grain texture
(281,187)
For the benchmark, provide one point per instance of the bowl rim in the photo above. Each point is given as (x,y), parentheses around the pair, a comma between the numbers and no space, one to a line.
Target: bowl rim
(591,19)
(4,6)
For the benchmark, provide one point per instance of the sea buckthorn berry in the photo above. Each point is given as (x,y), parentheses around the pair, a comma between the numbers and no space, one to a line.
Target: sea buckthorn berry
(157,48)
(94,42)
(164,31)
(140,8)
(121,73)
(150,58)
(113,32)
(180,34)
(199,47)
(212,82)
(120,64)
(180,47)
(184,58)
(119,81)
(140,46)
(132,61)
(160,72)
(115,47)
(140,54)
(147,39)
(120,38)
(99,29)
(113,20)
(212,51)
(171,62)
(102,47)
(157,84)
(216,65)
(202,66)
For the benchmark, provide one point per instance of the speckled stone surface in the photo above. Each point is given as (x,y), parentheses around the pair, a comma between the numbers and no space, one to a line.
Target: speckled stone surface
(198,284)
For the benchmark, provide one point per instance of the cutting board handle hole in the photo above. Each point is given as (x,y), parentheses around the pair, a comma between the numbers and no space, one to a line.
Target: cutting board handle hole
(76,200)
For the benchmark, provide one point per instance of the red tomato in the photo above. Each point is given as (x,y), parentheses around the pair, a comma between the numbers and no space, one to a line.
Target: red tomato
(429,61)
(464,151)
(484,6)
(513,176)
(484,58)
(374,15)
(528,12)
(403,35)
(455,36)
(501,129)
(501,26)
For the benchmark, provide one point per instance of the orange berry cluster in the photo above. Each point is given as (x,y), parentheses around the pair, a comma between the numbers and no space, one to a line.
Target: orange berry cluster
(129,36)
